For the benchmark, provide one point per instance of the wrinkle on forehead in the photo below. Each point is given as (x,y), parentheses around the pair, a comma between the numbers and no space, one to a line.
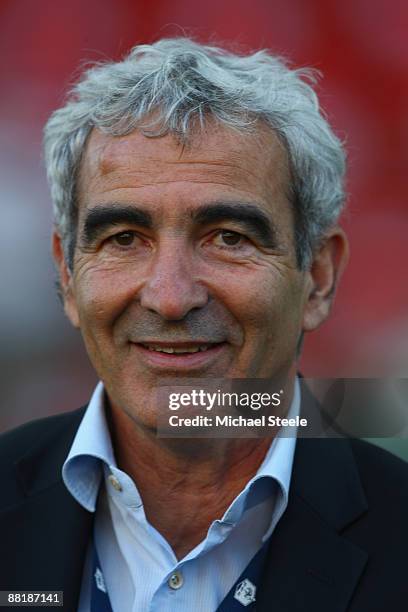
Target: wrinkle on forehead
(218,156)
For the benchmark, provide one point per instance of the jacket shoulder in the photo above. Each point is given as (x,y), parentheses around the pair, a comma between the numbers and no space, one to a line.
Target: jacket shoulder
(380,470)
(384,478)
(15,442)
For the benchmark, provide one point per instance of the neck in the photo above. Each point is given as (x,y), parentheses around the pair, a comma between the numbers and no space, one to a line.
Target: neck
(185,484)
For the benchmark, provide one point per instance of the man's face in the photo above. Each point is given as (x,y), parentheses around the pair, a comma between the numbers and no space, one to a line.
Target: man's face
(185,262)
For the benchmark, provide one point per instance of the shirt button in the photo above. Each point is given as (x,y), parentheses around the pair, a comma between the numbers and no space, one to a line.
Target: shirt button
(176,580)
(114,482)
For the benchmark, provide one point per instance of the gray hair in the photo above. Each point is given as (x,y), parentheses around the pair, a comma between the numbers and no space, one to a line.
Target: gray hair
(184,83)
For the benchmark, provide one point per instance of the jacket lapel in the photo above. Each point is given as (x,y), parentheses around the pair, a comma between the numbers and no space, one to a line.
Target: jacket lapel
(45,534)
(310,565)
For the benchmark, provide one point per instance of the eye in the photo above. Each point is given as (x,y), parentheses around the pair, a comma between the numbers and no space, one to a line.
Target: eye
(227,238)
(124,239)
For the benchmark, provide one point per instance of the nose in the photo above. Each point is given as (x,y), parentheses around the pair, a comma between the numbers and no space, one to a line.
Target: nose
(171,289)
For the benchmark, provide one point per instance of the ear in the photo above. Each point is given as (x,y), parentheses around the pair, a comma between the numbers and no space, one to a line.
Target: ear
(66,280)
(324,274)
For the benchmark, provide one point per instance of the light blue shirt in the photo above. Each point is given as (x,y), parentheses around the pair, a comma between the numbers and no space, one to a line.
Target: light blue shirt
(139,566)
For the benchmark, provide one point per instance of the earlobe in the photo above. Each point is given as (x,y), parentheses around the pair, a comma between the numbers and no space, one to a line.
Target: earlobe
(325,271)
(65,280)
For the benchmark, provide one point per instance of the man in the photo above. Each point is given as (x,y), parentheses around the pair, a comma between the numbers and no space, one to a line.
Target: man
(196,197)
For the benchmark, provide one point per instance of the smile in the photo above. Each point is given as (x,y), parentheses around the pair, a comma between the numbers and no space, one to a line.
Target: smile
(178,356)
(176,349)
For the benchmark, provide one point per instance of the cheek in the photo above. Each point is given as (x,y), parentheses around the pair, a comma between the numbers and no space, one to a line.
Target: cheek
(99,303)
(101,296)
(269,309)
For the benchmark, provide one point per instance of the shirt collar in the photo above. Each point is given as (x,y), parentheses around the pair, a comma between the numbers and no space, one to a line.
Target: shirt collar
(92,448)
(274,474)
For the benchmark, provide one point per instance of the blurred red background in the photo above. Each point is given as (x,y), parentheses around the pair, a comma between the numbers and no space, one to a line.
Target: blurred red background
(361,48)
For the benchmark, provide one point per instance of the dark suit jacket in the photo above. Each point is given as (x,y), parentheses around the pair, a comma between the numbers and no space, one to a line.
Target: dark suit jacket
(341,545)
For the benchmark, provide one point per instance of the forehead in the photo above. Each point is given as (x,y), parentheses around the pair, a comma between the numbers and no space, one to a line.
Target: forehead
(217,158)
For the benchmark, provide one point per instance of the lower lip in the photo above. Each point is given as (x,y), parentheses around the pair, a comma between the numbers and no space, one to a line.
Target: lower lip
(180,361)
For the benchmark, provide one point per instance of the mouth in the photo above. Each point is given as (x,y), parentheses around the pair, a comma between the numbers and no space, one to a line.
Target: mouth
(177,349)
(179,355)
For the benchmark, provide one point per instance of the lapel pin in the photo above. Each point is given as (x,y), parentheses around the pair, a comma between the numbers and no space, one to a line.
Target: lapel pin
(245,592)
(99,579)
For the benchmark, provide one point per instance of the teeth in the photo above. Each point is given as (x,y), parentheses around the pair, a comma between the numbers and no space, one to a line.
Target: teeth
(169,349)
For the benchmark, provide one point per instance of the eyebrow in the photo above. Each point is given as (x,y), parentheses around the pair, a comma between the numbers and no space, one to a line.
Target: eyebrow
(102,217)
(246,214)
